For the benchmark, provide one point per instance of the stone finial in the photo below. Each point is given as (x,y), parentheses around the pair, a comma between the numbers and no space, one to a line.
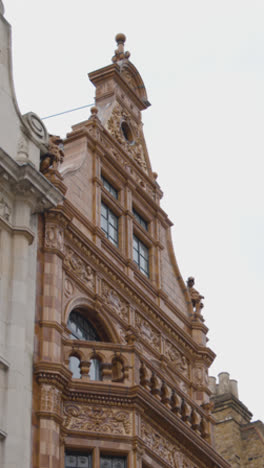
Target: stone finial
(120,53)
(94,114)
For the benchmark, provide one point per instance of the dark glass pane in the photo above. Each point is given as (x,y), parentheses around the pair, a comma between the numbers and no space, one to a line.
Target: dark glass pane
(135,243)
(81,328)
(143,250)
(104,210)
(135,256)
(109,187)
(140,220)
(113,220)
(112,462)
(77,460)
(113,233)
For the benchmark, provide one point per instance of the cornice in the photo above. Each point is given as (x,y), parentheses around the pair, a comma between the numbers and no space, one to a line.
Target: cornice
(17,230)
(113,72)
(25,180)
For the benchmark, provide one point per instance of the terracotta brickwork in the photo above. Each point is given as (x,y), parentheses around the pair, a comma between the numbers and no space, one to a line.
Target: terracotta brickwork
(238,440)
(151,403)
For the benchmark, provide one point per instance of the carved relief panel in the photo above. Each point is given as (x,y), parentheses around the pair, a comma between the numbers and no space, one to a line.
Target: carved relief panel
(54,237)
(160,445)
(80,268)
(115,302)
(99,419)
(147,332)
(50,399)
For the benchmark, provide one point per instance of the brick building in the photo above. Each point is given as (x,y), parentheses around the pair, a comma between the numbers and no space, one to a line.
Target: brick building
(237,439)
(121,362)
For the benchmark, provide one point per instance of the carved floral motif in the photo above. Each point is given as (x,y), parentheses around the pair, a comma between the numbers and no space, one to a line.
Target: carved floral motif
(50,399)
(147,332)
(135,148)
(159,444)
(79,267)
(176,358)
(97,419)
(114,301)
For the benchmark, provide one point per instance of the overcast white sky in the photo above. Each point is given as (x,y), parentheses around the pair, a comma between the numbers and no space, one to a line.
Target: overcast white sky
(202,62)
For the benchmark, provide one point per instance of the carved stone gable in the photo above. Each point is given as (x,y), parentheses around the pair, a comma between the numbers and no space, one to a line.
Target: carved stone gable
(132,143)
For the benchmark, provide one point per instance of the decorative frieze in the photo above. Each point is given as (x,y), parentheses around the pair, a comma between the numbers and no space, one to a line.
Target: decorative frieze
(115,302)
(163,447)
(77,266)
(147,332)
(97,419)
(176,358)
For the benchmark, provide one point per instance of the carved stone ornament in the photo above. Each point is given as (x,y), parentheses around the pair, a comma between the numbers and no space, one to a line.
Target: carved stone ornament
(68,287)
(176,358)
(79,268)
(133,148)
(165,449)
(54,236)
(22,148)
(36,127)
(114,301)
(50,399)
(5,210)
(54,157)
(147,332)
(97,419)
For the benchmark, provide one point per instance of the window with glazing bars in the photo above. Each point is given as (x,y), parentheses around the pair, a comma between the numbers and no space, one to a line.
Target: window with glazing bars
(141,255)
(112,462)
(77,460)
(109,187)
(109,224)
(140,220)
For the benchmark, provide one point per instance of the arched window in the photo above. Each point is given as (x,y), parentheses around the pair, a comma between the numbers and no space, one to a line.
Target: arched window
(81,328)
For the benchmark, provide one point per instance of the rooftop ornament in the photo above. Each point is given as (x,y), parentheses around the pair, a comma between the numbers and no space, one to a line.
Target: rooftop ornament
(120,53)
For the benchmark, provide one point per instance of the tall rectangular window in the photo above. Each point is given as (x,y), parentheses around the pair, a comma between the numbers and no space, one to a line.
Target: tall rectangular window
(109,187)
(141,255)
(140,220)
(109,224)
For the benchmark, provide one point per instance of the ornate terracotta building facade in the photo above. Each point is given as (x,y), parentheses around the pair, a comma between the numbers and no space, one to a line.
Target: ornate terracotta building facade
(121,362)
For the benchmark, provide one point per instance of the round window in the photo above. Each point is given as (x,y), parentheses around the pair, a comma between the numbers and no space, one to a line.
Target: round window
(126,130)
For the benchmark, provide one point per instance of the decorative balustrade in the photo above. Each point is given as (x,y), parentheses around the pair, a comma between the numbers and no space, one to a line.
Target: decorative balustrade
(123,364)
(90,361)
(181,405)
